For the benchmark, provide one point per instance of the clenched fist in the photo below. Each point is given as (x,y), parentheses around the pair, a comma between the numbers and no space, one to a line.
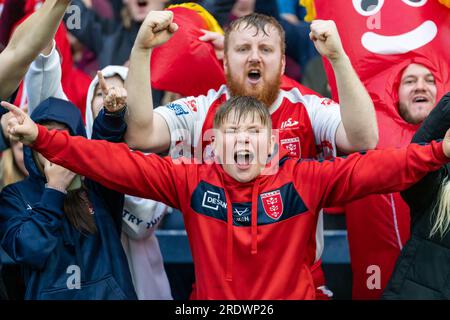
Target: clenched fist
(157,29)
(326,39)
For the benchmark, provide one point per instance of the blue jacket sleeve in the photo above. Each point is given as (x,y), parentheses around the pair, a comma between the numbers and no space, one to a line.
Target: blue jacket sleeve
(30,234)
(109,126)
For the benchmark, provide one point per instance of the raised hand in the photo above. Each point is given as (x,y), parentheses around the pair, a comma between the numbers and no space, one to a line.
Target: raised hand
(156,30)
(20,126)
(114,98)
(326,39)
(216,39)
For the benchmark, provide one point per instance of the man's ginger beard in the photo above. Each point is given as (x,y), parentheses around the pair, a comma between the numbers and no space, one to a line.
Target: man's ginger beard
(267,94)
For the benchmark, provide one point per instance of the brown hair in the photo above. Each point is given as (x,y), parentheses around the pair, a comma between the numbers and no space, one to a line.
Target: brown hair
(241,107)
(258,21)
(78,211)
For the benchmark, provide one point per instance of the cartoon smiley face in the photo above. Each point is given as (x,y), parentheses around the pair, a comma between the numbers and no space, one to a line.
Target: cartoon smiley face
(404,42)
(381,37)
(388,27)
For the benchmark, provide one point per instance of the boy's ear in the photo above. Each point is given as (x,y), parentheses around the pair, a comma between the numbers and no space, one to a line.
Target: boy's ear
(273,141)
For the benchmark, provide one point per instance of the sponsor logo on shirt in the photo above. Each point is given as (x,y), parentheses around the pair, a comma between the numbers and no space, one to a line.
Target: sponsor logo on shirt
(289,123)
(241,214)
(273,204)
(178,109)
(212,200)
(327,102)
(293,146)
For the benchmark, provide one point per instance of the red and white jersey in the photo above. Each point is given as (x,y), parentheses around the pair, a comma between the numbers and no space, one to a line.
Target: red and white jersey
(306,123)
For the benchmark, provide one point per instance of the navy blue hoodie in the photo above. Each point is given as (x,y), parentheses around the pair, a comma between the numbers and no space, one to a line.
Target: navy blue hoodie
(35,232)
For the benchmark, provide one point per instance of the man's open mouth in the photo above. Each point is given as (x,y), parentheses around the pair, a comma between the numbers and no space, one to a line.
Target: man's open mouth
(254,75)
(142,3)
(420,99)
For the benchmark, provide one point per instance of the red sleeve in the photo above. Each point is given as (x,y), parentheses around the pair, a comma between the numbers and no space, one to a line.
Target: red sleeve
(335,182)
(114,165)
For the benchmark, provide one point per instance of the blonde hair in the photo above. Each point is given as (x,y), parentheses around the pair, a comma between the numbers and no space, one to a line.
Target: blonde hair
(441,212)
(9,172)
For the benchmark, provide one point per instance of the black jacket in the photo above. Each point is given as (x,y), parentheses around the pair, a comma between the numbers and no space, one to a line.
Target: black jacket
(423,268)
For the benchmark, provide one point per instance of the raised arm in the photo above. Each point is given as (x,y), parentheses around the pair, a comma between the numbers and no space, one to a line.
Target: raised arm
(111,164)
(336,182)
(43,79)
(147,131)
(358,130)
(29,39)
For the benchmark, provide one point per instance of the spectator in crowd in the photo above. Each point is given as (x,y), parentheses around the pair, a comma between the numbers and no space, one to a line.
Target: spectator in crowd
(240,175)
(140,216)
(376,239)
(12,170)
(64,232)
(254,63)
(298,45)
(421,271)
(75,82)
(26,43)
(109,40)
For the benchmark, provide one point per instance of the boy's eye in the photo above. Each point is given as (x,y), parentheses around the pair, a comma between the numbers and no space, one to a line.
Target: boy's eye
(230,130)
(253,130)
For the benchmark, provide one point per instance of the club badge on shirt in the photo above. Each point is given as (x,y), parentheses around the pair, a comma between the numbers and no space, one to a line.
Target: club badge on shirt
(293,146)
(273,204)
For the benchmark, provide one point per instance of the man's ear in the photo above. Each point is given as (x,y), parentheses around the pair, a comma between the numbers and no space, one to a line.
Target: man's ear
(283,64)
(225,63)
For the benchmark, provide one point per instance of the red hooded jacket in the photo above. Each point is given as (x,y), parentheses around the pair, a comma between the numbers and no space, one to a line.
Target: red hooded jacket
(248,240)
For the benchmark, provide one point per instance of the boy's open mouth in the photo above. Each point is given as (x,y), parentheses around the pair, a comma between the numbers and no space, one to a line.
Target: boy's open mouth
(243,158)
